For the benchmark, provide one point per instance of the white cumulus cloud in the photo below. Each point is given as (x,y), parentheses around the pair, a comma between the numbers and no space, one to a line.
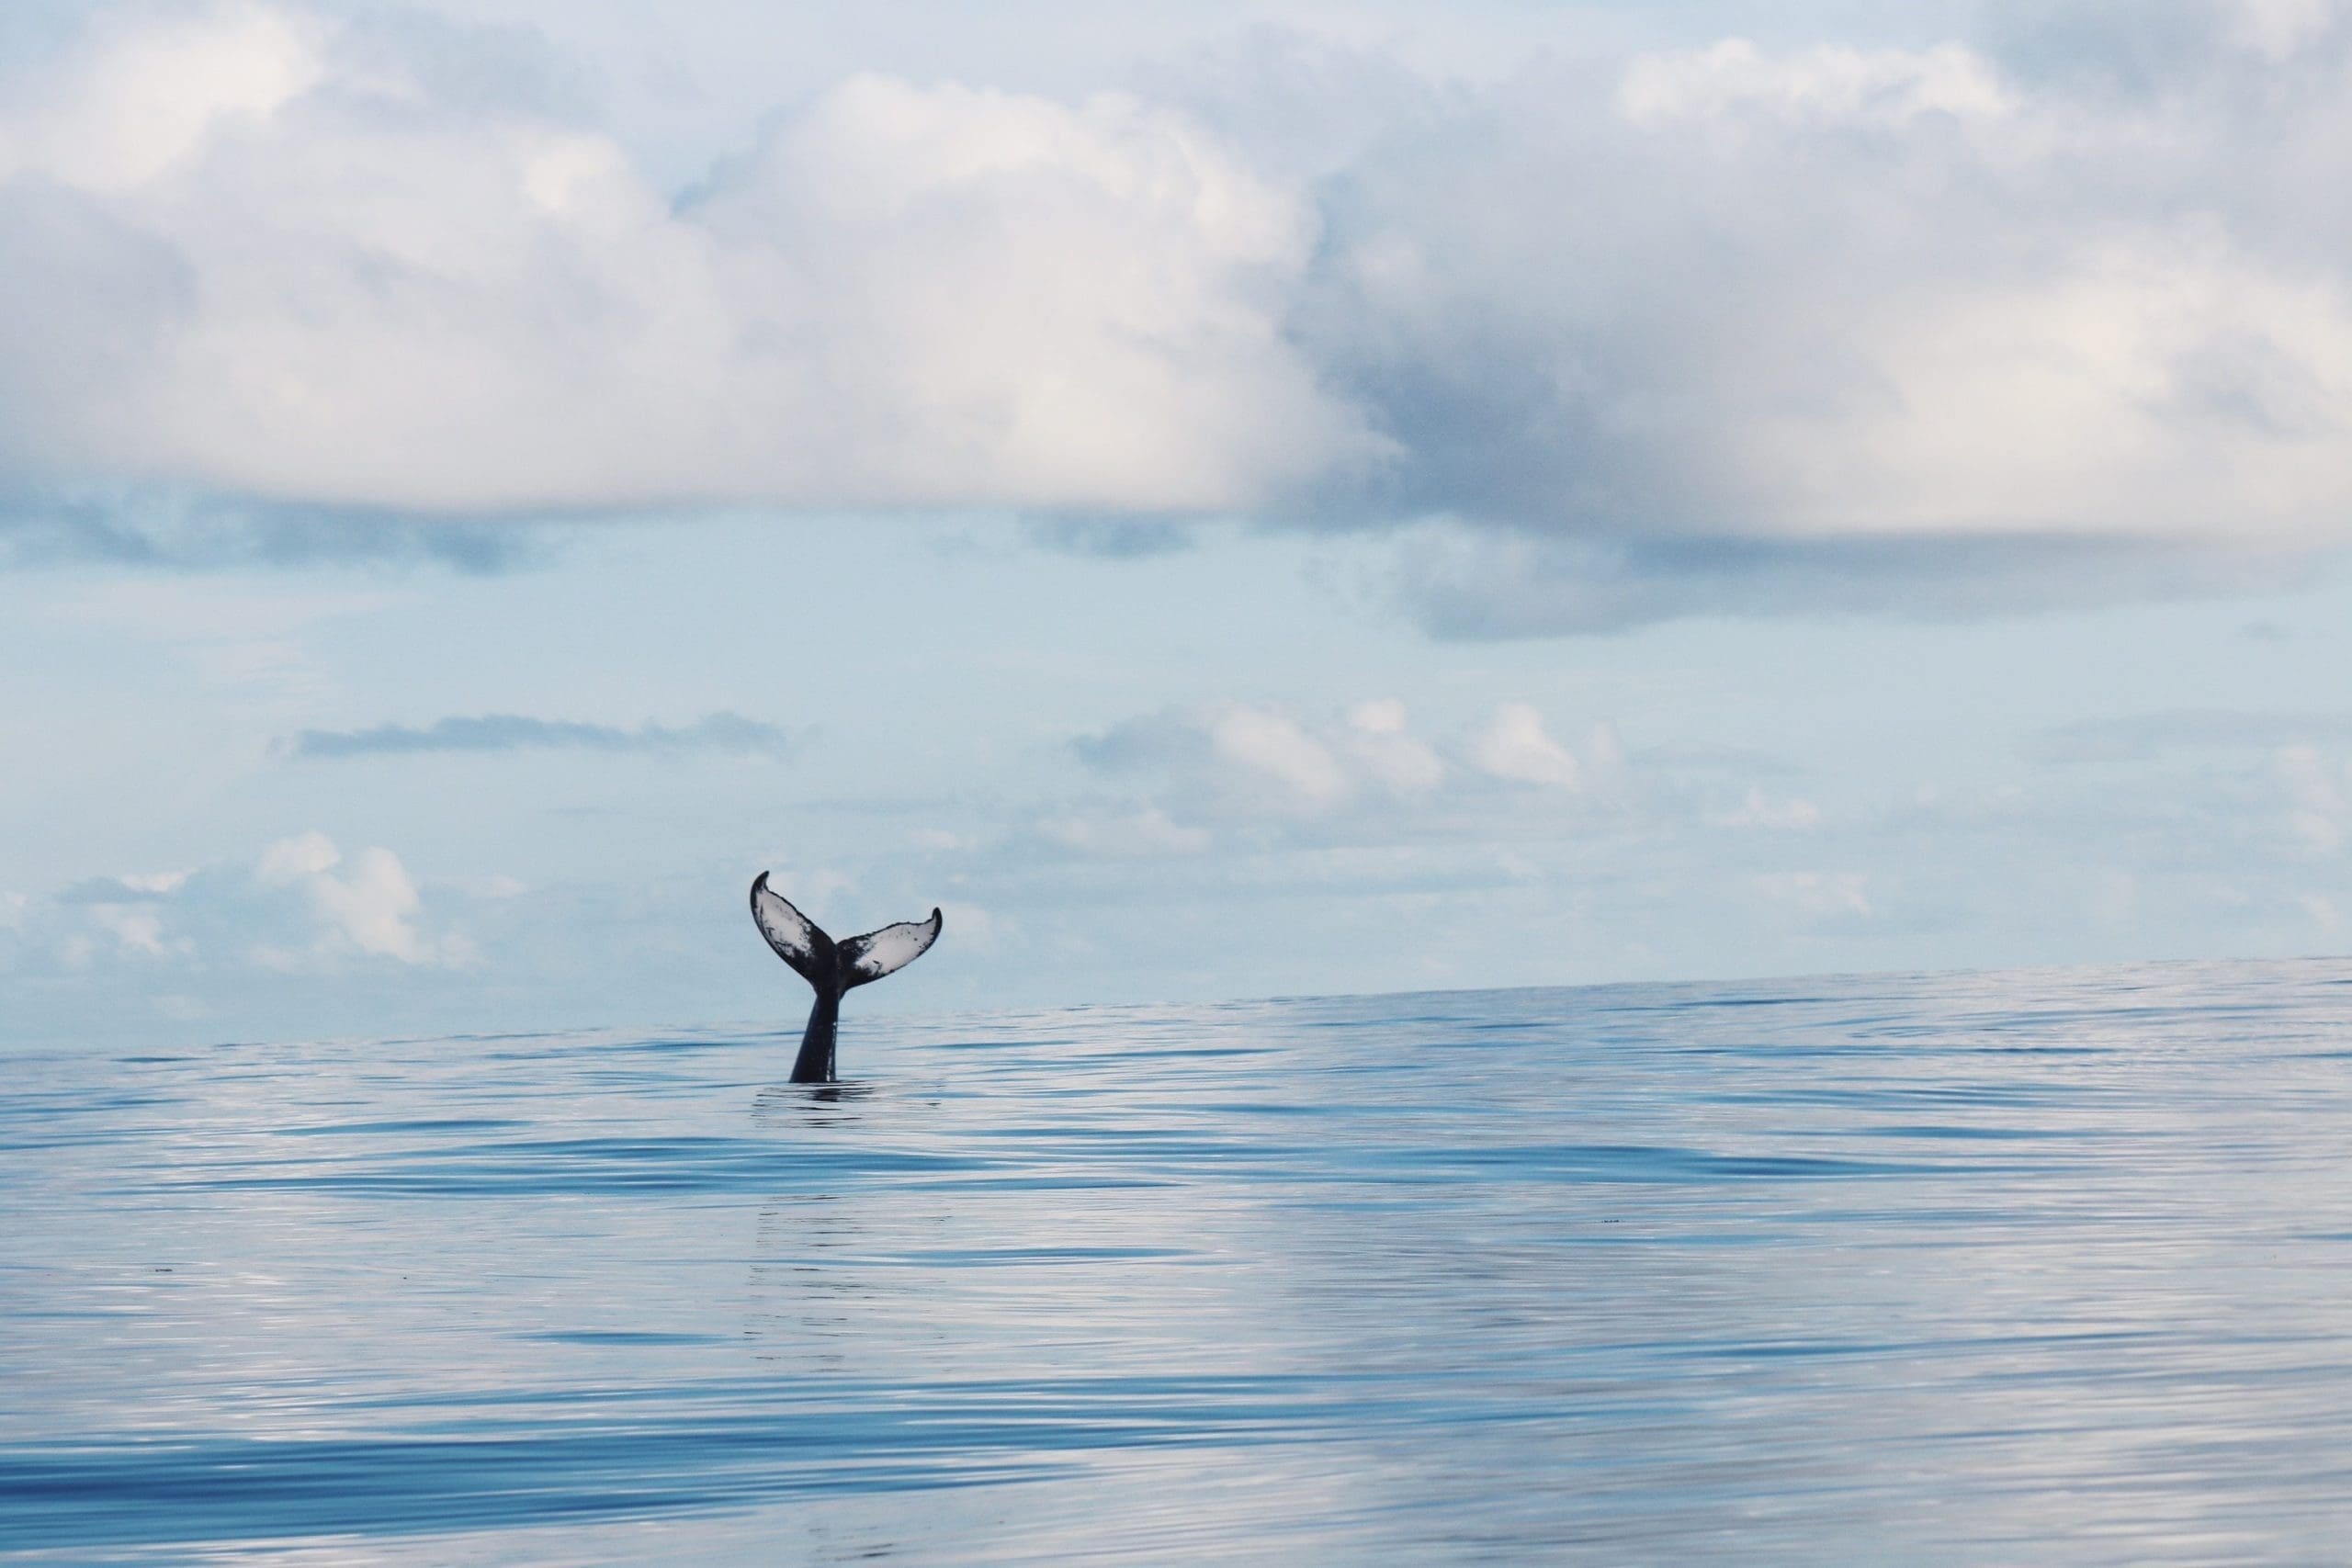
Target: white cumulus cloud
(151,90)
(1379,739)
(1239,760)
(1732,328)
(1757,809)
(368,908)
(1271,746)
(298,272)
(1515,746)
(137,930)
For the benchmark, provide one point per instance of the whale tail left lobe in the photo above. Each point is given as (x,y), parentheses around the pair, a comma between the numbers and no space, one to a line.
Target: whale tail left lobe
(833,968)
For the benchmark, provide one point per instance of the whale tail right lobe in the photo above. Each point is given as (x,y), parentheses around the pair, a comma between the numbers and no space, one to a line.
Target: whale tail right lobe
(833,968)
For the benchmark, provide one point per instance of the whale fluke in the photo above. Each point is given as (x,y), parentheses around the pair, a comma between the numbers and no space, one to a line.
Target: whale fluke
(868,958)
(794,935)
(833,968)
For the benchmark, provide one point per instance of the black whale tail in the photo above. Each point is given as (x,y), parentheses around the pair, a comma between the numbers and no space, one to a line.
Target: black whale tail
(831,967)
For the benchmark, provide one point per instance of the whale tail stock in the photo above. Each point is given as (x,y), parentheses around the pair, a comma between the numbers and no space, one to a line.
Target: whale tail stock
(833,968)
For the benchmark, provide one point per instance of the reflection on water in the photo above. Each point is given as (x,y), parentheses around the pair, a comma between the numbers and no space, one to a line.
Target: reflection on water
(1952,1269)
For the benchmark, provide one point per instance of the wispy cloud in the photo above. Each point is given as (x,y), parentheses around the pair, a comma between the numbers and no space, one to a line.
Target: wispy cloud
(517,732)
(1463,581)
(141,525)
(127,889)
(2142,736)
(1113,538)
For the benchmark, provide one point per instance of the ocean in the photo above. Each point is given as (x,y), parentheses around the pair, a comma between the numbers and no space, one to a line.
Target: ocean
(2049,1266)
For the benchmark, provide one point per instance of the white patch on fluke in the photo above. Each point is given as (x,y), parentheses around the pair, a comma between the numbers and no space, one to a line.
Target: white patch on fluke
(792,934)
(892,949)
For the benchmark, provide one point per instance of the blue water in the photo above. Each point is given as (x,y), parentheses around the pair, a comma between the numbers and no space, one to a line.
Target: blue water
(1961,1268)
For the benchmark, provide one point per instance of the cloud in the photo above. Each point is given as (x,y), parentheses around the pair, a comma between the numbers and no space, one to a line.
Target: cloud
(1832,85)
(1514,746)
(370,910)
(1757,809)
(1842,330)
(1378,738)
(126,889)
(1827,897)
(1259,777)
(1271,747)
(152,90)
(1707,758)
(300,904)
(146,526)
(1143,834)
(2057,310)
(138,931)
(1462,582)
(514,732)
(1247,760)
(2319,794)
(2144,737)
(2278,30)
(1113,538)
(320,276)
(1838,294)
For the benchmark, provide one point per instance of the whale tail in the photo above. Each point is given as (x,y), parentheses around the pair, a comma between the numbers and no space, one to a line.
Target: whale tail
(833,968)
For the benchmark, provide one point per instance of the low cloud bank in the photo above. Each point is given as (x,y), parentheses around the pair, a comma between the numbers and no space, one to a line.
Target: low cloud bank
(302,905)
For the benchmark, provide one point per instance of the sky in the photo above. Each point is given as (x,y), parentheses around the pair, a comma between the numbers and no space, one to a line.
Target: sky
(1225,500)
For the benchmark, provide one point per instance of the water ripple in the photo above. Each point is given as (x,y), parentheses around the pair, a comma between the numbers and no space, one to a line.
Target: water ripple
(1927,1269)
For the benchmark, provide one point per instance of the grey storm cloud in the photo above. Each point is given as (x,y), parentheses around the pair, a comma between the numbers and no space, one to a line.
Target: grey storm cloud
(515,732)
(2030,315)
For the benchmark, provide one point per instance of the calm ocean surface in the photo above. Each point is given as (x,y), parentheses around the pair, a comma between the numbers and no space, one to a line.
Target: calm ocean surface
(2051,1266)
